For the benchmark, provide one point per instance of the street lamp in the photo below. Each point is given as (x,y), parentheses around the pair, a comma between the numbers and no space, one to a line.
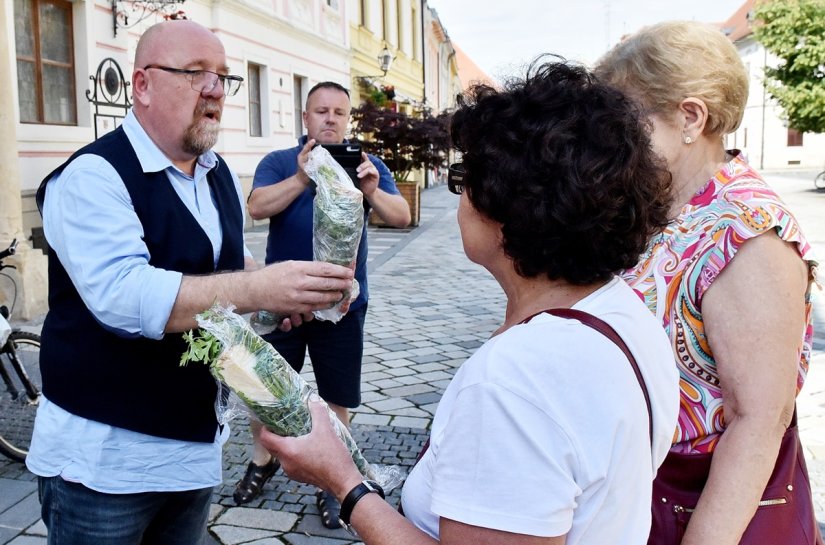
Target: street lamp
(385,59)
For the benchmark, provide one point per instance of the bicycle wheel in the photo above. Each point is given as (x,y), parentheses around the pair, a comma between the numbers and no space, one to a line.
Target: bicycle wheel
(819,181)
(19,393)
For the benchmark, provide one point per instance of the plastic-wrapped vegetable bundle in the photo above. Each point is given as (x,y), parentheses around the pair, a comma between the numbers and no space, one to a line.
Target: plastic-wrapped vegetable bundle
(273,392)
(337,220)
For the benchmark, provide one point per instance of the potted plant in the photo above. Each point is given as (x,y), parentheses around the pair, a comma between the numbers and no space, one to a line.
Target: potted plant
(407,143)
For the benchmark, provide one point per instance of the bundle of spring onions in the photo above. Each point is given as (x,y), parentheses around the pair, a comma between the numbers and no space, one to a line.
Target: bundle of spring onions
(263,380)
(337,220)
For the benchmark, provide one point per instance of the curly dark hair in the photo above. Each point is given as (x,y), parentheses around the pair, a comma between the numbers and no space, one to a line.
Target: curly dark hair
(564,163)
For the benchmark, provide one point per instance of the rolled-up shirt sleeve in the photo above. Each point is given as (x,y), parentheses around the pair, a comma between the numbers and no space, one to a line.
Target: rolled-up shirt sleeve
(91,225)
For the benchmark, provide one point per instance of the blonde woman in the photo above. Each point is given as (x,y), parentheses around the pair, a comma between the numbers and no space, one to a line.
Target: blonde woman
(729,279)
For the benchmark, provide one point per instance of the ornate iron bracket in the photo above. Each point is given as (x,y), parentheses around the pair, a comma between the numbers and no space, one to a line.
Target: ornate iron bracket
(138,10)
(109,90)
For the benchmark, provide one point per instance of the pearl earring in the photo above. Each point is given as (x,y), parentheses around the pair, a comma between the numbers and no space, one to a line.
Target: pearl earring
(688,140)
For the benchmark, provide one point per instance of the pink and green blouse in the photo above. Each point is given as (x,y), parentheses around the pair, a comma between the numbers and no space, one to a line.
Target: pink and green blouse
(681,264)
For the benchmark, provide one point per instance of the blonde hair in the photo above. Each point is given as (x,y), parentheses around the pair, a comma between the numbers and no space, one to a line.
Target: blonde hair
(663,64)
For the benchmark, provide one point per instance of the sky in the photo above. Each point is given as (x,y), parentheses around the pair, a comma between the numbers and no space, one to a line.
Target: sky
(503,36)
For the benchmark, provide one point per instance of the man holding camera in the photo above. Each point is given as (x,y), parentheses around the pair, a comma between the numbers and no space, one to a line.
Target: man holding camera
(282,192)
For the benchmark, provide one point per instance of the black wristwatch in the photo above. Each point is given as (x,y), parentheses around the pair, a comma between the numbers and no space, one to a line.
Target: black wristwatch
(354,496)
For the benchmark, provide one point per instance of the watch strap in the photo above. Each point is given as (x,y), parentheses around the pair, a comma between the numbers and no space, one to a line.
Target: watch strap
(354,496)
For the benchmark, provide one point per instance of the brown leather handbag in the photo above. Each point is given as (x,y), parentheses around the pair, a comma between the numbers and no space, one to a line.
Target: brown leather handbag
(785,515)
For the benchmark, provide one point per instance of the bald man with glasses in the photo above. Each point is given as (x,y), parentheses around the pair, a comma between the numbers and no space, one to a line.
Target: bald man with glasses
(127,447)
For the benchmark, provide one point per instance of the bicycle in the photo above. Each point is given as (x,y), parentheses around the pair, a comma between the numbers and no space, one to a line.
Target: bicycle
(819,181)
(20,373)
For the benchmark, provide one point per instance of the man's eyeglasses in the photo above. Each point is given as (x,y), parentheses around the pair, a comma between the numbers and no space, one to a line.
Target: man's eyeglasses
(455,178)
(203,81)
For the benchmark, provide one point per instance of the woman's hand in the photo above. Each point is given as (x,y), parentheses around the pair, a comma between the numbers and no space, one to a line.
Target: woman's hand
(318,458)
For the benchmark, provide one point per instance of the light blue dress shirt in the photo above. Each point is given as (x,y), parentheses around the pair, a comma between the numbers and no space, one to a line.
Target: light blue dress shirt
(91,225)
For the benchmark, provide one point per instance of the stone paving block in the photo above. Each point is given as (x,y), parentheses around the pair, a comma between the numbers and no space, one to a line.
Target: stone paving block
(214,511)
(37,529)
(374,366)
(257,518)
(372,395)
(28,540)
(306,539)
(409,378)
(371,419)
(399,362)
(424,399)
(13,491)
(311,525)
(22,514)
(390,404)
(7,534)
(426,367)
(400,372)
(410,422)
(409,411)
(407,390)
(470,345)
(233,535)
(427,358)
(386,384)
(376,376)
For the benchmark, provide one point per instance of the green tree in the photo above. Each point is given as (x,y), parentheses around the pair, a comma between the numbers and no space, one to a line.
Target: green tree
(405,142)
(794,31)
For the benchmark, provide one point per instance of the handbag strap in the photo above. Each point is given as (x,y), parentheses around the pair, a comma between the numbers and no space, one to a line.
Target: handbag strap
(605,329)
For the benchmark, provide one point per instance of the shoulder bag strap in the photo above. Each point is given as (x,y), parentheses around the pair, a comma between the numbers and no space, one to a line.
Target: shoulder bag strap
(605,329)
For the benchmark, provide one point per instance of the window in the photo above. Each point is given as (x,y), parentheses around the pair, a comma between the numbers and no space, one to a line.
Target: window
(333,4)
(363,13)
(254,85)
(794,137)
(298,84)
(45,61)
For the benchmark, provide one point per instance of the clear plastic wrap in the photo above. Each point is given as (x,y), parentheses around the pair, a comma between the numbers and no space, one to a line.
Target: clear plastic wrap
(337,220)
(272,391)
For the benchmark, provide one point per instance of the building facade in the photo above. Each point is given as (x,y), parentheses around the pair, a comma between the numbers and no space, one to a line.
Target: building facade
(764,136)
(280,47)
(394,28)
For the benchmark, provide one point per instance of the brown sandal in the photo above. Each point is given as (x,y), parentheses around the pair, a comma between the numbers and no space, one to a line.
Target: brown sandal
(253,481)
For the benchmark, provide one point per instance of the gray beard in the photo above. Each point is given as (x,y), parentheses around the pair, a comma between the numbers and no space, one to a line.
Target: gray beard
(199,138)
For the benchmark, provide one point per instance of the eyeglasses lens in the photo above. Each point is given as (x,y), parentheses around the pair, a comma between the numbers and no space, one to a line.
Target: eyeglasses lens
(204,82)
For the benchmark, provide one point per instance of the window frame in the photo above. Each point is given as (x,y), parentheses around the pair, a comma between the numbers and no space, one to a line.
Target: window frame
(795,138)
(254,87)
(38,62)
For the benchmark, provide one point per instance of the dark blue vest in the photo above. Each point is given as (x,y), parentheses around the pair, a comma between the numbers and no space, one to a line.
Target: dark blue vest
(137,383)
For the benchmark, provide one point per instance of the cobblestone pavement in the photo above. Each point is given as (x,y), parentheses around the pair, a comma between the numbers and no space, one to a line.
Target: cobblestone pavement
(430,308)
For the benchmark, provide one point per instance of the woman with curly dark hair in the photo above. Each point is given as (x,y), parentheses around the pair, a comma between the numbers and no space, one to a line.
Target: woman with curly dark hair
(544,435)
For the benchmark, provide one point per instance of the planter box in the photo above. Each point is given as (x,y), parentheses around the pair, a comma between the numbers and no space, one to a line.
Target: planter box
(411,192)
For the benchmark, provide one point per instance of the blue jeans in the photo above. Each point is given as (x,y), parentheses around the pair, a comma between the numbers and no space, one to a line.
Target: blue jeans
(76,515)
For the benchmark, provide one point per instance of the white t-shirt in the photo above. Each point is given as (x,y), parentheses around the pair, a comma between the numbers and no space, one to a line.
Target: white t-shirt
(544,430)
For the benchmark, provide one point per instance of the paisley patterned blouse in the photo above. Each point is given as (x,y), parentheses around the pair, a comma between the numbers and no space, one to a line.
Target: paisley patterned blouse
(681,264)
